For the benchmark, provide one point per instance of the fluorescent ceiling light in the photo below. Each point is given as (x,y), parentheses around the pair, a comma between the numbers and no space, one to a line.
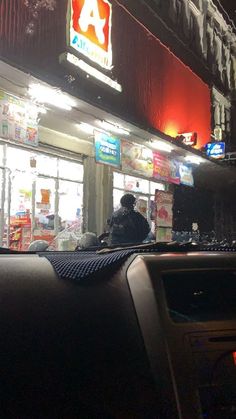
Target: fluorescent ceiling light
(89,129)
(46,94)
(114,128)
(194,159)
(162,146)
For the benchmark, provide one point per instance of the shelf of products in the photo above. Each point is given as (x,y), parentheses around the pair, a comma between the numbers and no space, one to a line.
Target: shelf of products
(20,232)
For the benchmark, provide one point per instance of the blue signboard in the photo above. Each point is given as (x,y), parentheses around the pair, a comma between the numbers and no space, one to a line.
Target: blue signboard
(215,150)
(186,174)
(107,149)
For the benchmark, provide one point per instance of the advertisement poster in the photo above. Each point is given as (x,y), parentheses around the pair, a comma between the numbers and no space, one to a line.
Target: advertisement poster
(174,172)
(107,149)
(18,120)
(142,207)
(216,150)
(186,175)
(137,159)
(45,200)
(163,234)
(164,214)
(161,167)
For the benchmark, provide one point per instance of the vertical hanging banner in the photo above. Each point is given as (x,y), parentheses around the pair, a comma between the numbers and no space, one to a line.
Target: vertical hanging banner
(142,206)
(107,149)
(18,119)
(90,30)
(164,214)
(174,172)
(161,167)
(186,174)
(163,234)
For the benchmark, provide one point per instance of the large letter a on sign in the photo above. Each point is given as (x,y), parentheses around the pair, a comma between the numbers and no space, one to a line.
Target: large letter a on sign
(90,16)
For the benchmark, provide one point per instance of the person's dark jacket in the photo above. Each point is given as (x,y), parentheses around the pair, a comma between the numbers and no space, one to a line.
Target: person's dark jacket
(128,226)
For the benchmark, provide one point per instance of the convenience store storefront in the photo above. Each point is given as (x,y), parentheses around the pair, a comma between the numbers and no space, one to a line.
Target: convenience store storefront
(142,169)
(41,194)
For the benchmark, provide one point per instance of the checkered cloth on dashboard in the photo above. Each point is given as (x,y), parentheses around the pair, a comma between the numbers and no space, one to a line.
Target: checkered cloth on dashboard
(79,265)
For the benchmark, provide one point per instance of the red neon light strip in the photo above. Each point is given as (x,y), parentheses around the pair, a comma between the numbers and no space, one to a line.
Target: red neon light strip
(234,357)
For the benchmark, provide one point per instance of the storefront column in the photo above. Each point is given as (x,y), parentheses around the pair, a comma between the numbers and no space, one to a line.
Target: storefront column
(97,195)
(3,196)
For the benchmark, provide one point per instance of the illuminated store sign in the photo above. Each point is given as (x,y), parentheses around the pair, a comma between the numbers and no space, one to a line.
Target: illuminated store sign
(215,150)
(91,71)
(186,175)
(90,30)
(188,138)
(107,149)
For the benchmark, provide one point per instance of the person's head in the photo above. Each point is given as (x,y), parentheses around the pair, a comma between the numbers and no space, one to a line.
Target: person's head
(128,201)
(88,240)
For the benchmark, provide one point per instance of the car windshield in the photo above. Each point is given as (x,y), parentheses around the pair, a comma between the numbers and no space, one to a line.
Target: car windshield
(117,122)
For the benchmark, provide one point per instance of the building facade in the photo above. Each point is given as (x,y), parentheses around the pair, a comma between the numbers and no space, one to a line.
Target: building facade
(124,68)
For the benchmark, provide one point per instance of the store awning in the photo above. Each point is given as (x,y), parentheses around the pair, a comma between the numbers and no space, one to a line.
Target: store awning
(57,123)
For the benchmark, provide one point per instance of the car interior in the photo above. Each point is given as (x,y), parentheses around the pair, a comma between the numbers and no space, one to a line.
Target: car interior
(152,337)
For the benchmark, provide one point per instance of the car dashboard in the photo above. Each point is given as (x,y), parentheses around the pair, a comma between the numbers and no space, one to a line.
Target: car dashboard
(154,338)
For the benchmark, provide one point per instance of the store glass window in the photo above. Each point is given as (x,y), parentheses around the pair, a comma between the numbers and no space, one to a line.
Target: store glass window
(44,218)
(156,185)
(1,155)
(143,189)
(20,210)
(45,165)
(134,184)
(70,214)
(1,186)
(117,194)
(41,197)
(1,208)
(4,206)
(70,170)
(18,159)
(118,180)
(70,202)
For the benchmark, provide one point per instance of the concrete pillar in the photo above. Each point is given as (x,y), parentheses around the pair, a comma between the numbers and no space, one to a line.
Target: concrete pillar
(98,201)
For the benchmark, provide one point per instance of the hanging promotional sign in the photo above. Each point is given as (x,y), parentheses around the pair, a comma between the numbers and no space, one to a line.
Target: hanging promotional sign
(18,120)
(107,149)
(163,234)
(216,150)
(186,174)
(90,30)
(142,206)
(137,159)
(174,172)
(164,214)
(161,167)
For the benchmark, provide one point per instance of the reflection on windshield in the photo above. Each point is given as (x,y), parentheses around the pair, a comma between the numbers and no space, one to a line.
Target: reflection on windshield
(201,295)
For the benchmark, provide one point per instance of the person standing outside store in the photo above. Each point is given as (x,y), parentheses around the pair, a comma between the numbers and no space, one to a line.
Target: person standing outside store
(127,226)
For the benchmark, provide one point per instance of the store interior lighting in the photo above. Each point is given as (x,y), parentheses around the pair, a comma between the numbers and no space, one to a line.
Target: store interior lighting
(161,145)
(42,110)
(52,96)
(87,128)
(194,159)
(108,126)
